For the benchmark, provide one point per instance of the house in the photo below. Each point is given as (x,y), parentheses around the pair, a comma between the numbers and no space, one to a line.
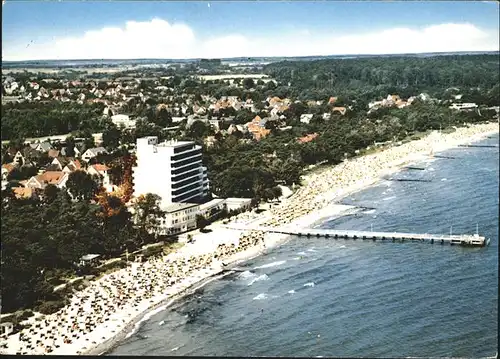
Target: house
(41,146)
(306,118)
(24,192)
(258,128)
(72,166)
(332,100)
(53,153)
(6,328)
(57,178)
(123,120)
(93,152)
(307,138)
(97,138)
(6,169)
(90,260)
(341,110)
(58,163)
(18,158)
(463,106)
(101,171)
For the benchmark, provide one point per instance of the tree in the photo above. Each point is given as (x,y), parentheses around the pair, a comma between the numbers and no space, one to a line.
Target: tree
(148,215)
(111,136)
(82,186)
(248,83)
(50,193)
(201,221)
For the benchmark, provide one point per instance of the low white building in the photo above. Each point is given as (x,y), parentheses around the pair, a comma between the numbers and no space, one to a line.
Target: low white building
(212,207)
(123,120)
(306,118)
(233,204)
(463,106)
(179,218)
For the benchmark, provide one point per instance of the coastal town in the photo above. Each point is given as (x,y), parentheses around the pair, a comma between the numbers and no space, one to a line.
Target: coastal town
(129,179)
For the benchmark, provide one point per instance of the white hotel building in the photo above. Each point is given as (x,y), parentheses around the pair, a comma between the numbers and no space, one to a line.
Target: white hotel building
(173,170)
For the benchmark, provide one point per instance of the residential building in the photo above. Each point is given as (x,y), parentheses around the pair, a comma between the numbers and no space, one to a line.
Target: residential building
(72,166)
(123,120)
(57,178)
(258,128)
(172,170)
(101,171)
(93,152)
(463,106)
(306,118)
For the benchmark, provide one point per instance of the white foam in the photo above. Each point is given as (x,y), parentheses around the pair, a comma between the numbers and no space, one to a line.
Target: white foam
(297,258)
(291,291)
(261,296)
(431,169)
(370,211)
(147,317)
(259,278)
(388,198)
(311,250)
(161,323)
(311,284)
(246,275)
(301,253)
(342,246)
(444,179)
(175,349)
(273,264)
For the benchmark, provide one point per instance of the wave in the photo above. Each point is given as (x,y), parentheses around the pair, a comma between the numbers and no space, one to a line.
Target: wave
(302,253)
(269,265)
(310,284)
(261,296)
(444,179)
(259,278)
(388,198)
(247,275)
(311,250)
(291,291)
(370,211)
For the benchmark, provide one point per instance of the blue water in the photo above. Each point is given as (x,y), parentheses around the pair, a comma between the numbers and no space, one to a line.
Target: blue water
(346,298)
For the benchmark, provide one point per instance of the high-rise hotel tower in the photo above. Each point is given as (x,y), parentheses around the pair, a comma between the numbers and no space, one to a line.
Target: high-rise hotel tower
(172,169)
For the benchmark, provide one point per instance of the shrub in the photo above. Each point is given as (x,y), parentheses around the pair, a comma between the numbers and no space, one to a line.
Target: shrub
(50,307)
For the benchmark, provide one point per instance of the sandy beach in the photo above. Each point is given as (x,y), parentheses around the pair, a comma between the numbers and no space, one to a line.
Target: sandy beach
(110,308)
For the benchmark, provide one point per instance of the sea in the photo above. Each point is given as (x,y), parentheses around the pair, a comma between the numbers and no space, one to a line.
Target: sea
(314,297)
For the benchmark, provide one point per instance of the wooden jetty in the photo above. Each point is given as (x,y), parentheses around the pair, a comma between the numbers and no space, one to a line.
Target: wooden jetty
(462,240)
(483,146)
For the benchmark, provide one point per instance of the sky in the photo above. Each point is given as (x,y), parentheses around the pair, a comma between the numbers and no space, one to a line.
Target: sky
(68,30)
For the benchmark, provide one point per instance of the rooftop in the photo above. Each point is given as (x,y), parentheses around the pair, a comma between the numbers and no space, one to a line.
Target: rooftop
(174,207)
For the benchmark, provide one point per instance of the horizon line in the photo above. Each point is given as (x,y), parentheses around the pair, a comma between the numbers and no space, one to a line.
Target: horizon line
(257,57)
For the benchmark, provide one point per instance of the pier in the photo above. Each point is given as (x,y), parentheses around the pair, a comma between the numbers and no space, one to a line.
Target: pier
(462,239)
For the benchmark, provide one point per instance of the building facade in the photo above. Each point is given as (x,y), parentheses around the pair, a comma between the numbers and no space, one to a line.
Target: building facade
(173,170)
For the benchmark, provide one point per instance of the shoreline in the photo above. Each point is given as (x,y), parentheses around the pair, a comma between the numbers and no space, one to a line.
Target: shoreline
(308,220)
(323,206)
